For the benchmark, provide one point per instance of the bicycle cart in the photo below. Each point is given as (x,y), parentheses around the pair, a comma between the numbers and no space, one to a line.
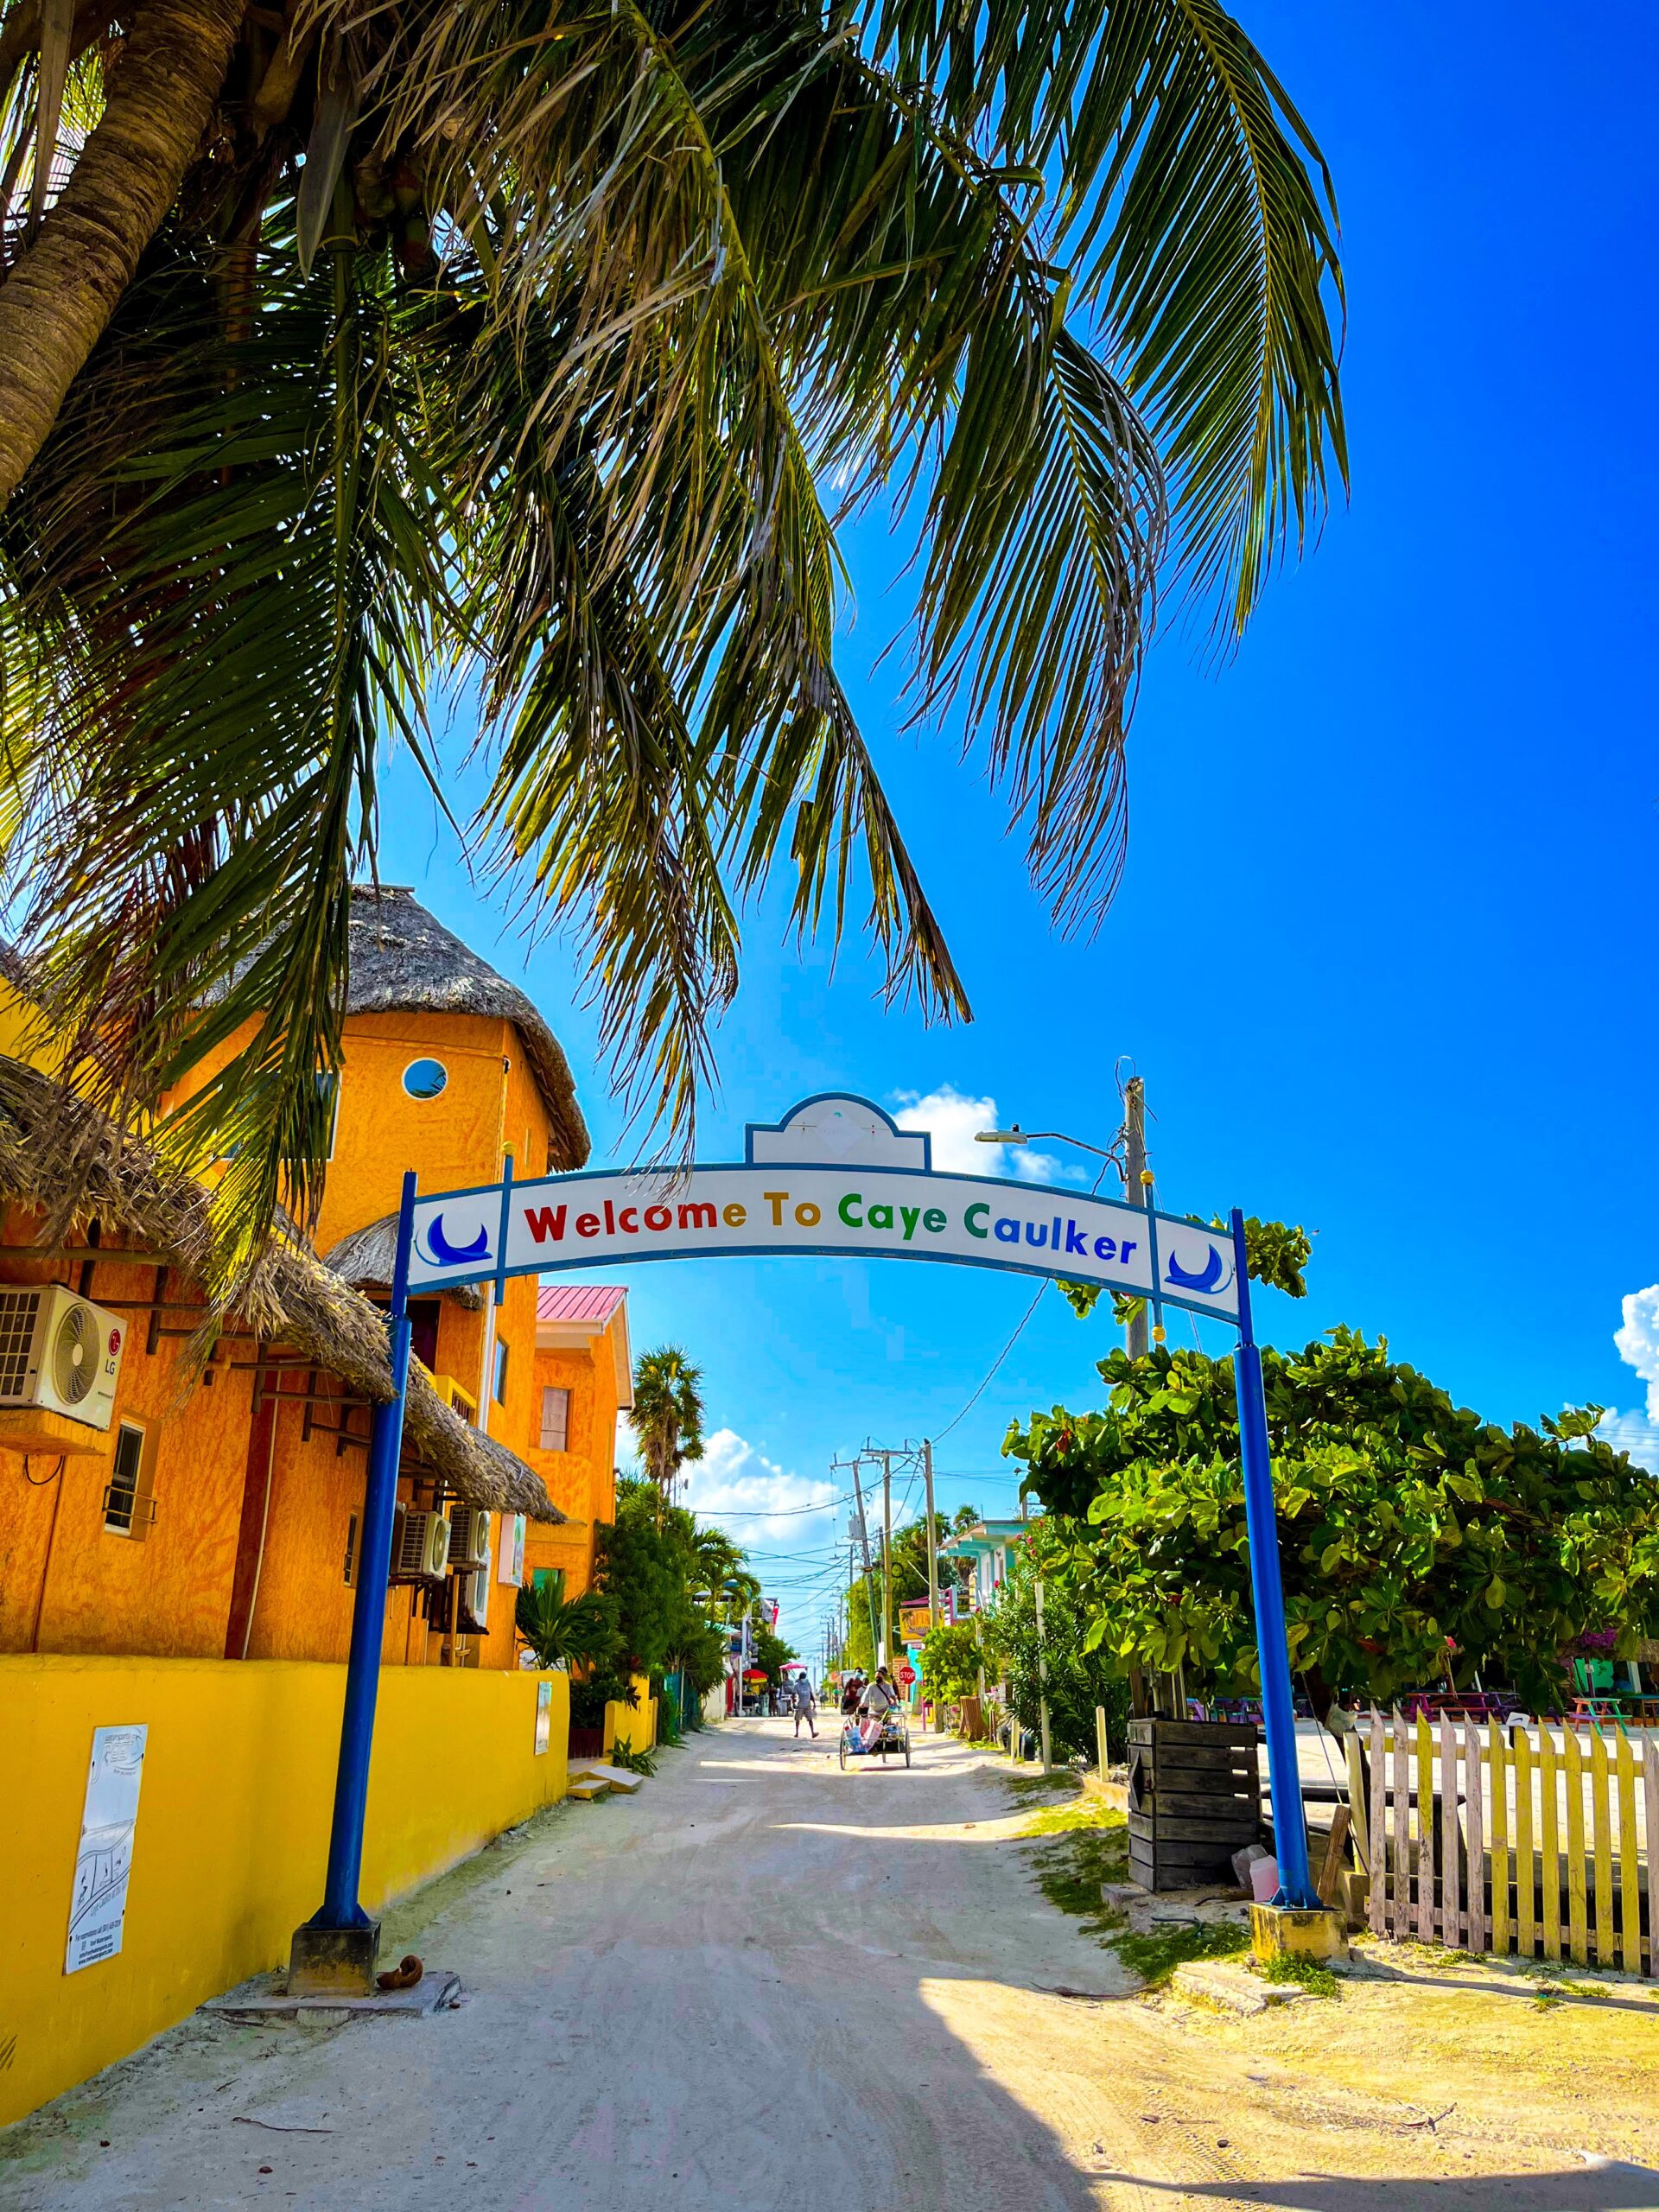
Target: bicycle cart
(894,1739)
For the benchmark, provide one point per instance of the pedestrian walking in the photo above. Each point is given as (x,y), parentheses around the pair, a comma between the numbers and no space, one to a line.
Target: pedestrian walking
(805,1705)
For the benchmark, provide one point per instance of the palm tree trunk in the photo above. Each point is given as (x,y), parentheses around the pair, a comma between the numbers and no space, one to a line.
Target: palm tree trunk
(58,298)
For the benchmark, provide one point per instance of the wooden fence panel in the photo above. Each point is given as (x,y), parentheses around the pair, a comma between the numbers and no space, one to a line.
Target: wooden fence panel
(1526,1860)
(1578,1917)
(1499,1766)
(1629,1878)
(1402,1925)
(1550,1839)
(1426,1930)
(1379,1896)
(1601,1813)
(1476,1853)
(1447,1841)
(1474,1924)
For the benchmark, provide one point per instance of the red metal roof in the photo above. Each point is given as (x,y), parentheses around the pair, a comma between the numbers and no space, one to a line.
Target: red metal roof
(589,1301)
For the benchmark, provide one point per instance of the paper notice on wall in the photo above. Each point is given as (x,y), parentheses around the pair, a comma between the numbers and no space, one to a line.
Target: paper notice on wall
(543,1716)
(98,1908)
(511,1568)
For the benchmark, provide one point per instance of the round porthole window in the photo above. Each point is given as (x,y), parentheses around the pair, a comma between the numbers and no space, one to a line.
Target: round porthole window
(425,1078)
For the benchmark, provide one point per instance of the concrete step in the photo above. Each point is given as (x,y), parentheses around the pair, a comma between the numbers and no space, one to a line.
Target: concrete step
(618,1776)
(586,1787)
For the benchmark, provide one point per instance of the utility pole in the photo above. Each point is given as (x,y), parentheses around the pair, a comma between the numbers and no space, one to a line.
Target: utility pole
(864,1540)
(886,1559)
(932,1537)
(932,1550)
(1042,1676)
(1135,1171)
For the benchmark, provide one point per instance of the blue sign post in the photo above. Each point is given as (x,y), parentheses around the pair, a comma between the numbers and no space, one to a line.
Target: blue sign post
(1268,1589)
(336,1948)
(837,1176)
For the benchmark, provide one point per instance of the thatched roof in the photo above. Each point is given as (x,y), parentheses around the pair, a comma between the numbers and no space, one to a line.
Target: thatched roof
(403,960)
(366,1259)
(292,1298)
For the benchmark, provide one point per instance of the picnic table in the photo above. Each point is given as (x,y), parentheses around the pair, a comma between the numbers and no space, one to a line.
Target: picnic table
(1455,1705)
(1597,1709)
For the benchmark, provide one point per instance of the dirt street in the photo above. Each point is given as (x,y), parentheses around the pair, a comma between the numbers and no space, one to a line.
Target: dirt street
(763,1982)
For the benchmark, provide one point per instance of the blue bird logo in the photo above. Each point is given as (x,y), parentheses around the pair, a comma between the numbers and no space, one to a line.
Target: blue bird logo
(1208,1279)
(436,1249)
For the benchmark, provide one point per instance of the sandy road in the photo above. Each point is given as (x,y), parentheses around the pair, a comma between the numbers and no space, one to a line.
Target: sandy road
(761,1982)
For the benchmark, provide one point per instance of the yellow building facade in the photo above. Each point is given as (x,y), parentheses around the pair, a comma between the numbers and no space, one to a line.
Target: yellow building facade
(191,1568)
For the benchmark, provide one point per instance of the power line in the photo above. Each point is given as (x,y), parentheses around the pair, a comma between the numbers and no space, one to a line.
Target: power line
(990,1372)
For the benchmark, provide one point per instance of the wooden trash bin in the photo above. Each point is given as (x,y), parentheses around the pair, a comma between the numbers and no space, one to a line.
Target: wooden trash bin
(1194,1799)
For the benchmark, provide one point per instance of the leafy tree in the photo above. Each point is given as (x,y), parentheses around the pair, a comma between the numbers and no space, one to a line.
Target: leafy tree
(1416,1539)
(546,343)
(909,1581)
(1080,1674)
(667,1416)
(652,1565)
(951,1657)
(559,1630)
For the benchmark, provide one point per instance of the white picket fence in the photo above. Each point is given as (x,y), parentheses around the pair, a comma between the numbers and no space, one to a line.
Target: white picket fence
(1532,1840)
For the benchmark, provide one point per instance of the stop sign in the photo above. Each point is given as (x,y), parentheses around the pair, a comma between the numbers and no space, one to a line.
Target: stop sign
(906,1676)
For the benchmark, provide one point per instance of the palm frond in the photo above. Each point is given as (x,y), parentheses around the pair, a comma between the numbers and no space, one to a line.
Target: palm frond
(218,661)
(1191,202)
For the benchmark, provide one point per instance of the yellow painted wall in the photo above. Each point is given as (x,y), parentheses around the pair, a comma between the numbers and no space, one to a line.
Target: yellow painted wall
(633,1725)
(231,1838)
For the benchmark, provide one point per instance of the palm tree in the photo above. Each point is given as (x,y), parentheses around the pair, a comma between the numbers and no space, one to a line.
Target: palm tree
(351,351)
(724,1584)
(667,1416)
(559,1630)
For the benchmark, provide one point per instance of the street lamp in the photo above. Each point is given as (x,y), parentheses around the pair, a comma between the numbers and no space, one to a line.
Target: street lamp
(1018,1136)
(1136,1187)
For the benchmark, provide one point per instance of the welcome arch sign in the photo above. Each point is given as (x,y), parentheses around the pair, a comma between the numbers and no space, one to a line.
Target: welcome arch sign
(837,1176)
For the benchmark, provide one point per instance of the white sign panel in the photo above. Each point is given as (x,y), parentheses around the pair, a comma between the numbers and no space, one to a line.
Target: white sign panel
(511,1568)
(876,1197)
(98,1908)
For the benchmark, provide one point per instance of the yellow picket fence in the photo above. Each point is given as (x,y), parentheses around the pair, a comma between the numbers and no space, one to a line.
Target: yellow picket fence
(1532,1840)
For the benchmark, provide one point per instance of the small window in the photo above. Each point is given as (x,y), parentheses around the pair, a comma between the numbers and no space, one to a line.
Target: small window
(425,1078)
(350,1575)
(127,1510)
(500,1372)
(555,1420)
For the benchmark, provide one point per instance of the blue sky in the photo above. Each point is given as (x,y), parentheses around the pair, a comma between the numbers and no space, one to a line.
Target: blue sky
(1383,953)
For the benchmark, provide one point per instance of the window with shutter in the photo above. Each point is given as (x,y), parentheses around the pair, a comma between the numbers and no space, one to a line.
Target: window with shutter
(555,1420)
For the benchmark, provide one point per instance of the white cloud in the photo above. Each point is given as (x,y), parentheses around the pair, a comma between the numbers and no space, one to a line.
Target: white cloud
(1638,1341)
(953,1119)
(765,1500)
(1638,1344)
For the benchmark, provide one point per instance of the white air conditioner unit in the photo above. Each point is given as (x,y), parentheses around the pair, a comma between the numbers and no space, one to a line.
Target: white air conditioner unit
(469,1536)
(60,1353)
(474,1592)
(422,1550)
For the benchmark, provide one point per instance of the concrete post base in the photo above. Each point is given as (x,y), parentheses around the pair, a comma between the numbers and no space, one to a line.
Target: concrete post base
(1281,1931)
(334,1961)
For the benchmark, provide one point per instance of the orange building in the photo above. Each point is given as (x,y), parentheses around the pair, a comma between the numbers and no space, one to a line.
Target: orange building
(179,1536)
(234,1534)
(584,1379)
